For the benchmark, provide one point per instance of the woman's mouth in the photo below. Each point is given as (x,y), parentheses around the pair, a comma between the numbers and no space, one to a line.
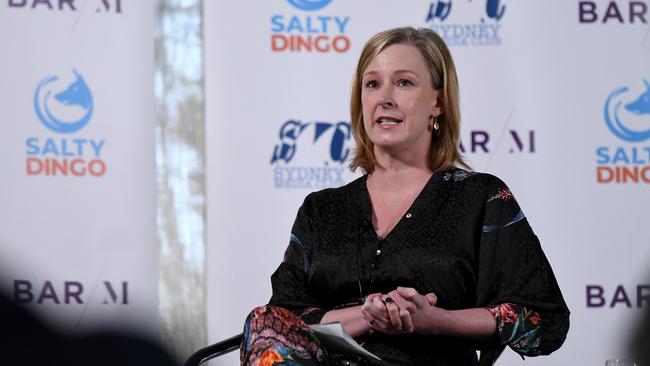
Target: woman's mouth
(385,121)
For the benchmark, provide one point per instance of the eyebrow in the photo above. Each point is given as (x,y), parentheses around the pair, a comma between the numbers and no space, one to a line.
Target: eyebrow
(400,71)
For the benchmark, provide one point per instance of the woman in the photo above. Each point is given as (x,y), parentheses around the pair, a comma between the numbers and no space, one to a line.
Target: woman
(422,262)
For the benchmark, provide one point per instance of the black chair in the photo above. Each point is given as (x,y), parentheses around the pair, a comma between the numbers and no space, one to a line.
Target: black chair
(221,348)
(226,346)
(214,350)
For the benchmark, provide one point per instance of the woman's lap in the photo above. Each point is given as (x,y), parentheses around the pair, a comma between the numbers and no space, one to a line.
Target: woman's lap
(275,336)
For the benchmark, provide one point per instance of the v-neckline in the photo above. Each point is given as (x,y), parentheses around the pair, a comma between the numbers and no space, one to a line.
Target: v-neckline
(369,209)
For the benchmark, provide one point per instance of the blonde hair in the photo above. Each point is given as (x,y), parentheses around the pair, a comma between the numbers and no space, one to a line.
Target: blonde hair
(445,142)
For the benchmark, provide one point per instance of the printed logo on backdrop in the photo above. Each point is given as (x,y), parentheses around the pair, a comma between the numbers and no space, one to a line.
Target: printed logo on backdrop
(311,155)
(309,30)
(66,111)
(601,296)
(69,292)
(467,22)
(626,114)
(64,105)
(309,4)
(316,155)
(100,6)
(619,12)
(486,142)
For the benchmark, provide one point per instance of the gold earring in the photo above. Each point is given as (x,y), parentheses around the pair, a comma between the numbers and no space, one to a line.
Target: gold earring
(436,126)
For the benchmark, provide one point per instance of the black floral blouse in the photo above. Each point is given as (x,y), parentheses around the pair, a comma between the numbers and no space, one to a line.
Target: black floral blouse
(464,239)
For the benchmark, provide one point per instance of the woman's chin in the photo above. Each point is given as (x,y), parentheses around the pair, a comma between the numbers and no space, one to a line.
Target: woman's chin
(390,146)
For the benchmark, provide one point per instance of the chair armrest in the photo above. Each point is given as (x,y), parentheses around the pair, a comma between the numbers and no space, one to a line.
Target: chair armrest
(214,350)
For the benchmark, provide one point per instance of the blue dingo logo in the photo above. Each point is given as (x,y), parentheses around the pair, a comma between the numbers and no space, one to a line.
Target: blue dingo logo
(636,110)
(309,5)
(69,110)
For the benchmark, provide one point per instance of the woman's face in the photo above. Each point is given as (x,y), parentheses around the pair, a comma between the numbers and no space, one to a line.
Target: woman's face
(398,101)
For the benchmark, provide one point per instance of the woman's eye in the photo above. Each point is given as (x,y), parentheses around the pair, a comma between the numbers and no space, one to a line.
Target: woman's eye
(371,84)
(405,82)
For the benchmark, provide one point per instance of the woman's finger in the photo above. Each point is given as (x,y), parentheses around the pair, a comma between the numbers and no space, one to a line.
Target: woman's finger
(393,314)
(401,302)
(374,316)
(373,307)
(380,307)
(382,325)
(431,298)
(382,322)
(369,301)
(366,315)
(408,293)
(407,321)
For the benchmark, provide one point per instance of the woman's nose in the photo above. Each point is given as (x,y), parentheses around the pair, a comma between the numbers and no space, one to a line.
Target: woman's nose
(386,99)
(387,103)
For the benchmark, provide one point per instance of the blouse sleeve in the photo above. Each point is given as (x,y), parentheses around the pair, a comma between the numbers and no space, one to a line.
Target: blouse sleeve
(515,280)
(289,281)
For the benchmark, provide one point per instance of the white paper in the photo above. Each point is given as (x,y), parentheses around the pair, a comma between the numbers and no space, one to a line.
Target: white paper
(333,336)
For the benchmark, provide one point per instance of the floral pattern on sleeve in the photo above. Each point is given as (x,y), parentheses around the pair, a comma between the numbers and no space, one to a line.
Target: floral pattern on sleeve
(504,194)
(519,327)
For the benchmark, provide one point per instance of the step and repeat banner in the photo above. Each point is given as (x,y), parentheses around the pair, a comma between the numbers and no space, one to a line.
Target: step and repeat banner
(555,100)
(77,204)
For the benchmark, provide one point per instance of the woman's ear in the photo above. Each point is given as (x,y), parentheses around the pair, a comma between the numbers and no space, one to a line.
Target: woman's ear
(437,108)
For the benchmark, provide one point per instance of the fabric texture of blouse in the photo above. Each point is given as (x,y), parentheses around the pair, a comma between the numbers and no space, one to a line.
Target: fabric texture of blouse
(464,238)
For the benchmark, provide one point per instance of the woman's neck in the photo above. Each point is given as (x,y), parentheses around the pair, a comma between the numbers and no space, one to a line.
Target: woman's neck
(394,174)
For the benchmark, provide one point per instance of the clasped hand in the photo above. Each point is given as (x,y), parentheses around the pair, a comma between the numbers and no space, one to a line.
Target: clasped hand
(402,311)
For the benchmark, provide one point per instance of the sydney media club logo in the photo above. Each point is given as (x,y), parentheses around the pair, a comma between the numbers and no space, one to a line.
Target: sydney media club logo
(467,22)
(309,30)
(312,155)
(627,116)
(64,106)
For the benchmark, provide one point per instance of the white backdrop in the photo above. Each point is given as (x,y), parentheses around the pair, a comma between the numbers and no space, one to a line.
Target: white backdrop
(535,79)
(78,241)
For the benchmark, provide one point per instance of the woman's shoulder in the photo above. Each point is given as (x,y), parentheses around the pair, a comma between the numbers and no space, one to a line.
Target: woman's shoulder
(341,192)
(489,193)
(337,198)
(474,181)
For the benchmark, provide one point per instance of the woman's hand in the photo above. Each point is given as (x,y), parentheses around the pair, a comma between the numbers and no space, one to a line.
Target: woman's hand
(393,312)
(374,310)
(354,324)
(408,311)
(399,318)
(424,316)
(383,315)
